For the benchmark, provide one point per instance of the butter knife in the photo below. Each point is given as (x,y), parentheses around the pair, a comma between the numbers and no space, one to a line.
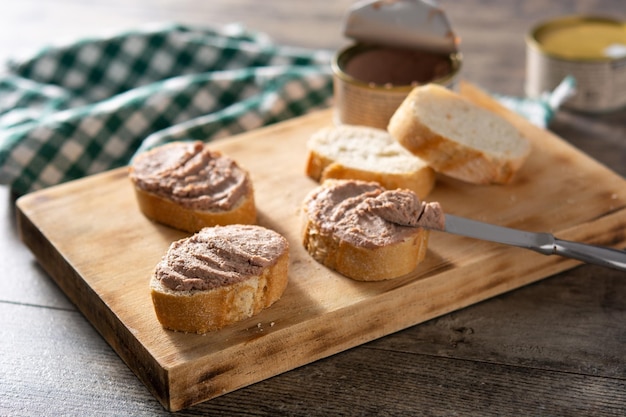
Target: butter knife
(544,243)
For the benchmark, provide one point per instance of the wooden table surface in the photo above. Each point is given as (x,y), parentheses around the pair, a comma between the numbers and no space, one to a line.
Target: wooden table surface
(557,347)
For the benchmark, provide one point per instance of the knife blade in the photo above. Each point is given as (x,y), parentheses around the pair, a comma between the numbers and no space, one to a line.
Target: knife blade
(544,243)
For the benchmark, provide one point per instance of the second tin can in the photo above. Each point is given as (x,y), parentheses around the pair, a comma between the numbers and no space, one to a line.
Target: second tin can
(590,49)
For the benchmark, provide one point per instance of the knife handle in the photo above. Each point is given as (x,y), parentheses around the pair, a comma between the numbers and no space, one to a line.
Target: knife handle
(598,255)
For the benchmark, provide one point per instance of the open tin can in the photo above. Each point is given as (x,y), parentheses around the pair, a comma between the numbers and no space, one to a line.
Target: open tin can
(400,44)
(590,49)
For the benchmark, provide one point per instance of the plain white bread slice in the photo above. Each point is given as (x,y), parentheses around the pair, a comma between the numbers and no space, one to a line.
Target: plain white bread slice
(367,154)
(457,137)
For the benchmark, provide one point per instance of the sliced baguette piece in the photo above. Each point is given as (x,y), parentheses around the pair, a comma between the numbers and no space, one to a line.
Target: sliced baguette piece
(219,276)
(340,234)
(367,154)
(457,137)
(188,186)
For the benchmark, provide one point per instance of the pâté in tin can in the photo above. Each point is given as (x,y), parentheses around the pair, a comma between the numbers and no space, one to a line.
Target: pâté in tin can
(399,44)
(591,49)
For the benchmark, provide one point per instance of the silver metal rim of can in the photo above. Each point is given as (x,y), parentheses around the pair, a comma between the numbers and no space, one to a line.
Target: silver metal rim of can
(456,60)
(566,21)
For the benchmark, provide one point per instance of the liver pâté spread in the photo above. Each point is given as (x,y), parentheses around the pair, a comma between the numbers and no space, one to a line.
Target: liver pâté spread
(365,214)
(219,256)
(191,175)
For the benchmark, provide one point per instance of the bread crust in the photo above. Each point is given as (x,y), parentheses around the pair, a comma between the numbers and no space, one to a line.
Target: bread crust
(172,214)
(448,156)
(202,311)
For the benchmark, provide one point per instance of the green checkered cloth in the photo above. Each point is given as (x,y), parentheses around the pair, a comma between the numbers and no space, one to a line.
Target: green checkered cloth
(90,106)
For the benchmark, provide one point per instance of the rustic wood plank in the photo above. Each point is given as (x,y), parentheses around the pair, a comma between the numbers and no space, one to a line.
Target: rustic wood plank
(339,385)
(54,363)
(436,386)
(16,260)
(31,24)
(553,325)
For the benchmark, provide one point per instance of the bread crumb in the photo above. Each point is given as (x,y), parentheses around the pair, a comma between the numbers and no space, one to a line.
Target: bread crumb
(272,324)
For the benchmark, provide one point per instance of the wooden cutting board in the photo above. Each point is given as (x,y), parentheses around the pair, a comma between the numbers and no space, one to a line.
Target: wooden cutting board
(91,238)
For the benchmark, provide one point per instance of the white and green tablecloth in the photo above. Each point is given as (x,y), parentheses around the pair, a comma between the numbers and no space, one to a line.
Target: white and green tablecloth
(86,107)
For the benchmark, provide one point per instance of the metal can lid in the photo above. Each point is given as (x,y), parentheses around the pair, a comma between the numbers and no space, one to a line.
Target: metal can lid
(401,23)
